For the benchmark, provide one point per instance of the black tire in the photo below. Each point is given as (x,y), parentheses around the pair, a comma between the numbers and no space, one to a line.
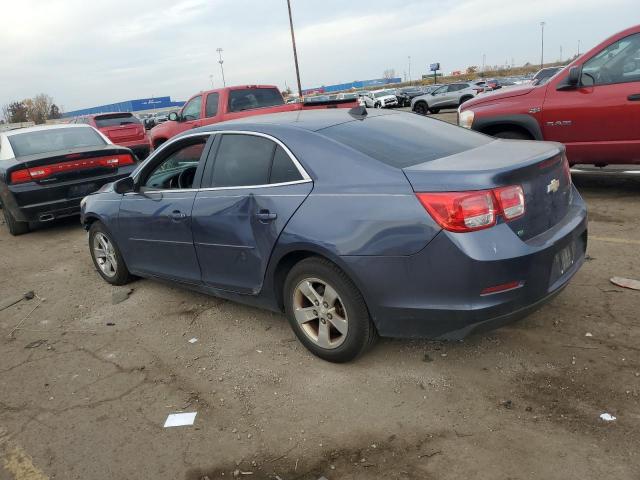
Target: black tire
(434,110)
(512,135)
(121,274)
(15,227)
(421,108)
(377,105)
(361,333)
(464,99)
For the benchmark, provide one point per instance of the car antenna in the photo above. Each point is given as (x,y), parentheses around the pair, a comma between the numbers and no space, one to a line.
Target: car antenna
(360,111)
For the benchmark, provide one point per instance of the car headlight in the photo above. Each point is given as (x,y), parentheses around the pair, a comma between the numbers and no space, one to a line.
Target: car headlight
(465,119)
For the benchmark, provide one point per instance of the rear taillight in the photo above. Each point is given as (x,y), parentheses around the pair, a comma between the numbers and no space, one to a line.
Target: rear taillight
(510,201)
(461,211)
(473,210)
(46,171)
(566,168)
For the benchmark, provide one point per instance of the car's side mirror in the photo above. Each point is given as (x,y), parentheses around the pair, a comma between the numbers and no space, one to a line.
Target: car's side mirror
(174,117)
(124,185)
(574,76)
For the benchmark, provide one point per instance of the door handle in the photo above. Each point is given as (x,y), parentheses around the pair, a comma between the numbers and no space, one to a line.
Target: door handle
(266,216)
(178,215)
(634,97)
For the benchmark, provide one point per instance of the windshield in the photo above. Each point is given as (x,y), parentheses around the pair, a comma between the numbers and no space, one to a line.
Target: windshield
(54,139)
(248,98)
(383,93)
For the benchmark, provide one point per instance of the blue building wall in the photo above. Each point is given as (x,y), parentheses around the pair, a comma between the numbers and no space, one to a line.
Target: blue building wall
(137,105)
(355,85)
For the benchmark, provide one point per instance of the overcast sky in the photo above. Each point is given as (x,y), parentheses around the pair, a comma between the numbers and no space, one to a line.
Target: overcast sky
(91,52)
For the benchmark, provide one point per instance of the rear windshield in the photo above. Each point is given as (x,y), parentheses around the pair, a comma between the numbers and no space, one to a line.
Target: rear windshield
(248,98)
(42,141)
(115,120)
(405,139)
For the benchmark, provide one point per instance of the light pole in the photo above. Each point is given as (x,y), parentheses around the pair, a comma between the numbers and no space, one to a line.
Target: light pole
(560,52)
(542,24)
(295,53)
(409,57)
(484,58)
(211,78)
(220,61)
(578,48)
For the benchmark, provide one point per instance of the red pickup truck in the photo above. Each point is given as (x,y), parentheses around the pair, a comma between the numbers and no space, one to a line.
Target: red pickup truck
(592,106)
(229,103)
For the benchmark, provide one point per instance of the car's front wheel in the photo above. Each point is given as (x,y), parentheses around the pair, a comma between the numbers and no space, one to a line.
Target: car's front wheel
(421,108)
(106,255)
(378,105)
(327,311)
(15,227)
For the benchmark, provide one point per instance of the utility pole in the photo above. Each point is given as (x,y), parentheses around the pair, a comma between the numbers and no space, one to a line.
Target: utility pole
(409,57)
(220,61)
(295,52)
(211,78)
(542,24)
(578,47)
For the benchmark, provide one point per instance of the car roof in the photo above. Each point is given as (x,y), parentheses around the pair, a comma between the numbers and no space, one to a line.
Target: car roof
(312,120)
(38,128)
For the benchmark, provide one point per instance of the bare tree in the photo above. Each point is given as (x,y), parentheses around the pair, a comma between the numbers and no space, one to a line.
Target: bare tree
(472,69)
(389,73)
(5,113)
(38,108)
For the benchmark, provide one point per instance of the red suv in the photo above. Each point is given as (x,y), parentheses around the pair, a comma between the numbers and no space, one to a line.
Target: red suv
(122,129)
(592,106)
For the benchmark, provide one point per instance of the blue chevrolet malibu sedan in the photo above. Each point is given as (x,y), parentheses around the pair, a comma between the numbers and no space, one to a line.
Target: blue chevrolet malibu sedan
(354,223)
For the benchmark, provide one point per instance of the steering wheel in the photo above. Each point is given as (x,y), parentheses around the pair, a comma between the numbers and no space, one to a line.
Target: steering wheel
(186,177)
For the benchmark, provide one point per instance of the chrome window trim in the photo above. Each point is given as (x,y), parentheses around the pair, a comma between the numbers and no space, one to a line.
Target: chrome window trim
(305,176)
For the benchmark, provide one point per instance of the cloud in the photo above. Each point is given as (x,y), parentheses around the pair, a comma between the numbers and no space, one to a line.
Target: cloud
(86,53)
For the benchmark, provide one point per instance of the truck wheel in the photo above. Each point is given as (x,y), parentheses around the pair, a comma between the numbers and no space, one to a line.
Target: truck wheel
(421,108)
(513,135)
(15,227)
(434,110)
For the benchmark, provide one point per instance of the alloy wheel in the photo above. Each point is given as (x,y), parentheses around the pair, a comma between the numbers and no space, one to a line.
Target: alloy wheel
(105,254)
(320,313)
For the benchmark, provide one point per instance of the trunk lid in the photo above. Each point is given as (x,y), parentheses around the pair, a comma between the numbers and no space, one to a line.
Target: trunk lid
(120,127)
(74,164)
(540,168)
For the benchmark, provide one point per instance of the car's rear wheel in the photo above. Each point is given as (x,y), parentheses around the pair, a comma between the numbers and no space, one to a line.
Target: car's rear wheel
(106,256)
(421,108)
(15,227)
(326,311)
(464,99)
(512,135)
(378,105)
(434,110)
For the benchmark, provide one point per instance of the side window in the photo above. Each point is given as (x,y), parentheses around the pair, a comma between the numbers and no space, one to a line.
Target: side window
(283,169)
(617,63)
(192,109)
(242,160)
(211,107)
(178,168)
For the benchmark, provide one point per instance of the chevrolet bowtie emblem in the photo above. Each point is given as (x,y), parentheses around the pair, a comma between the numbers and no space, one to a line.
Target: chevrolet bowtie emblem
(553,186)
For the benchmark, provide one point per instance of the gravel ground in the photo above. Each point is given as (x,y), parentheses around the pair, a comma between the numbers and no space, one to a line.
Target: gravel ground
(87,384)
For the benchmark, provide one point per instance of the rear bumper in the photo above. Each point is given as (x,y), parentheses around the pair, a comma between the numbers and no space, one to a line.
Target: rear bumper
(436,293)
(32,202)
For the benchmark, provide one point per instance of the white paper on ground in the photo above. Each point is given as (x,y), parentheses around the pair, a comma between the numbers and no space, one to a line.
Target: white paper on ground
(607,417)
(180,419)
(193,340)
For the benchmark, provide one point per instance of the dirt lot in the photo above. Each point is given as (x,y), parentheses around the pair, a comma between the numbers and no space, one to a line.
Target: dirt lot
(87,384)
